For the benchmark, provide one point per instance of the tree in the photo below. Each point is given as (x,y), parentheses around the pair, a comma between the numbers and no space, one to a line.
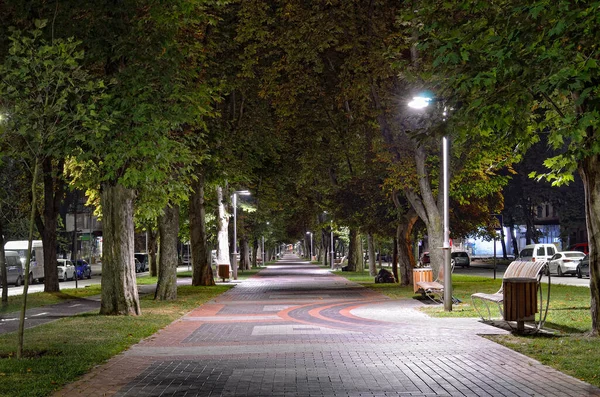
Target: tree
(157,101)
(51,101)
(520,68)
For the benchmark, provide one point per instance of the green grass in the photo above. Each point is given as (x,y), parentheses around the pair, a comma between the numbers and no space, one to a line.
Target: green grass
(59,352)
(570,349)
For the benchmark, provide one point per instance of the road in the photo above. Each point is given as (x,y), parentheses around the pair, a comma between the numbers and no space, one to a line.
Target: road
(96,279)
(480,268)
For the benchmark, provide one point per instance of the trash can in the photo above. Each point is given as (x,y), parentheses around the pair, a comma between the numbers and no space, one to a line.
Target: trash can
(421,274)
(520,300)
(223,271)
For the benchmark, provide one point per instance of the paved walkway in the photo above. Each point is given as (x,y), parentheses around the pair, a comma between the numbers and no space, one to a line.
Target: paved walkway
(297,330)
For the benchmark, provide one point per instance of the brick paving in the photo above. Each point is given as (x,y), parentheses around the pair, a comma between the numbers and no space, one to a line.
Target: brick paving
(297,330)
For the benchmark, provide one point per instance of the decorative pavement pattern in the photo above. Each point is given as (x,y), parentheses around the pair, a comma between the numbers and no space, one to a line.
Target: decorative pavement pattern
(298,330)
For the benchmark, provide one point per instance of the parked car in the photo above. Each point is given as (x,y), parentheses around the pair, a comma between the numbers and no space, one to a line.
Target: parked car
(582,247)
(565,262)
(424,259)
(66,270)
(14,268)
(583,267)
(142,263)
(83,269)
(461,258)
(537,252)
(36,266)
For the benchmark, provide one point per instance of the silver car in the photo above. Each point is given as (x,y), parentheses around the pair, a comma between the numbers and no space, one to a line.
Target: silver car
(461,258)
(583,268)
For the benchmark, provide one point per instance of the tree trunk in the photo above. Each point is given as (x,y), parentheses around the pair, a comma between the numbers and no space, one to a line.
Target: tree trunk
(530,232)
(119,287)
(395,260)
(201,259)
(406,258)
(435,236)
(245,254)
(223,231)
(379,256)
(371,248)
(428,208)
(21,332)
(503,243)
(153,251)
(352,250)
(168,228)
(255,253)
(324,244)
(514,240)
(53,194)
(3,275)
(590,174)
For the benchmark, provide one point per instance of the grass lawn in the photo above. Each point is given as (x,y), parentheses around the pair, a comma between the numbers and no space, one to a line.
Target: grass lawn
(59,352)
(569,350)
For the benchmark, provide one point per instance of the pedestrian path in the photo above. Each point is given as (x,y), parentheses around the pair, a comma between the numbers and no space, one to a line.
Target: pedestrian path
(298,330)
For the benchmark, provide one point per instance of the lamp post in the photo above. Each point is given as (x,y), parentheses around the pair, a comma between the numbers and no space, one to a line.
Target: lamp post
(332,250)
(234,266)
(421,102)
(311,245)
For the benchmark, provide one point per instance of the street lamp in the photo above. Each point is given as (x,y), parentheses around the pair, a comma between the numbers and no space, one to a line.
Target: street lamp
(421,102)
(332,250)
(264,257)
(311,245)
(235,194)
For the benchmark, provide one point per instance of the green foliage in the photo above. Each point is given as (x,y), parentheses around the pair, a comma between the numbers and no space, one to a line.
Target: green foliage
(531,67)
(49,98)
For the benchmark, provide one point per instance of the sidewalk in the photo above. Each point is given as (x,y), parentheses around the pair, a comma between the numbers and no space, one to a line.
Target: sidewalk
(297,330)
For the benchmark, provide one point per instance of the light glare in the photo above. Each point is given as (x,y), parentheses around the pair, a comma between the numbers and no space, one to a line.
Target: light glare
(419,102)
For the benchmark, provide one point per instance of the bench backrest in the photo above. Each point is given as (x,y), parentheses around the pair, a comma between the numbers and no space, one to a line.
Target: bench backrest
(524,269)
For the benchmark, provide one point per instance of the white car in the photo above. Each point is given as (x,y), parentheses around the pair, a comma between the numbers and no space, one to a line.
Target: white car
(565,262)
(66,270)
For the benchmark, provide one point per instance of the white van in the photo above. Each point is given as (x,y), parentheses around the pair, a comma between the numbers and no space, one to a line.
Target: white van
(36,267)
(14,268)
(537,252)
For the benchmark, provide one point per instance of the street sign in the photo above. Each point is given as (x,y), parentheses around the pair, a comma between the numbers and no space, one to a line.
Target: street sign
(496,221)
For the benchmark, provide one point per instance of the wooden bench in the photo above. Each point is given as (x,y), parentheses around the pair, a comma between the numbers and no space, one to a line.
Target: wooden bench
(433,289)
(338,262)
(517,297)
